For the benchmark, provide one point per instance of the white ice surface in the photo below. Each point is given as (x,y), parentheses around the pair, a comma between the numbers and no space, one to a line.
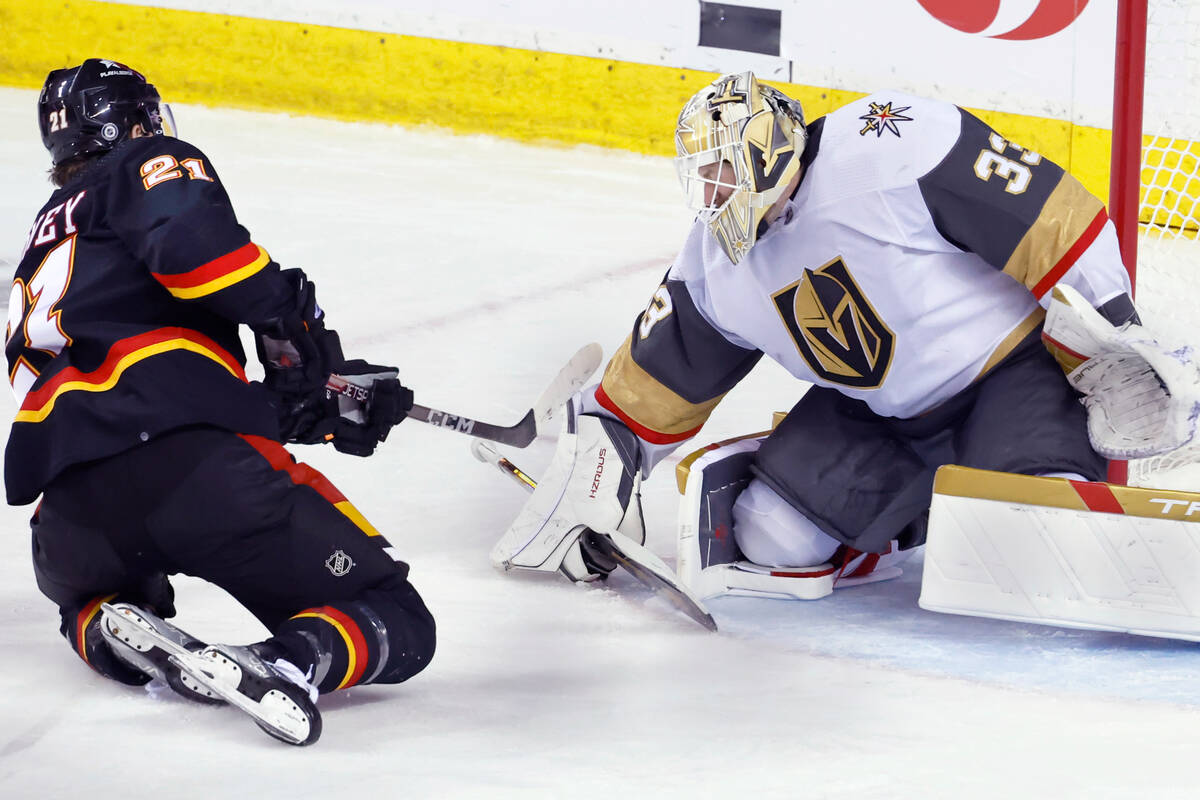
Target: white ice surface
(478,266)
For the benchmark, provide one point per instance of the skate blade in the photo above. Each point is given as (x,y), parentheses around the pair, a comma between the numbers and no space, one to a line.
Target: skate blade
(276,713)
(141,636)
(138,633)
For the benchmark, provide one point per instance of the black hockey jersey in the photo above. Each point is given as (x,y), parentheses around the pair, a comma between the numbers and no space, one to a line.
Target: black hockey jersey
(124,311)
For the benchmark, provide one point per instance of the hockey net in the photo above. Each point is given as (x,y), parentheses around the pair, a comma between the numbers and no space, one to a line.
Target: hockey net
(1168,211)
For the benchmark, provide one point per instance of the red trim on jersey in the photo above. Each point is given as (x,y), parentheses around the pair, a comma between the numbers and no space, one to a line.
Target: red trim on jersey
(1098,497)
(280,459)
(217,268)
(123,354)
(1068,260)
(648,434)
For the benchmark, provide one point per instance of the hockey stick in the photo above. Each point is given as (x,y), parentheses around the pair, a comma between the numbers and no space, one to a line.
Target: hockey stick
(639,562)
(569,379)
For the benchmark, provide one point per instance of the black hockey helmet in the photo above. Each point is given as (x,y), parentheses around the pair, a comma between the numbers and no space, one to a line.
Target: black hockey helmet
(89,108)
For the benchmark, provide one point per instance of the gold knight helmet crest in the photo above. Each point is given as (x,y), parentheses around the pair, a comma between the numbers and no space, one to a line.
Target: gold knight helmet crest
(757,135)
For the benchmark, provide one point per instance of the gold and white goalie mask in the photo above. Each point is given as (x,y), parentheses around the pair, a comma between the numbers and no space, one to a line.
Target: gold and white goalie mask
(739,144)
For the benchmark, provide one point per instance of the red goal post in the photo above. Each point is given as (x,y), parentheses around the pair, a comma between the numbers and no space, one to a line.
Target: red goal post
(1154,183)
(1124,182)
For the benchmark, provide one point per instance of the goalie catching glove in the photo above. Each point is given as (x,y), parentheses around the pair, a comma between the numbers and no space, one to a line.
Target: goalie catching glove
(1142,398)
(591,485)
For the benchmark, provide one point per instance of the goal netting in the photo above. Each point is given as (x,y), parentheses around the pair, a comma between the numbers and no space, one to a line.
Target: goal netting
(1168,256)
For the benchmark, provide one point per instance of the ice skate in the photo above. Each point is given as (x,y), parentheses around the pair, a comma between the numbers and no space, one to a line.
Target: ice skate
(275,693)
(147,642)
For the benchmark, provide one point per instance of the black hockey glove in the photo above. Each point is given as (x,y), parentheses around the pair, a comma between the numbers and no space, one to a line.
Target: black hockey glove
(296,350)
(356,410)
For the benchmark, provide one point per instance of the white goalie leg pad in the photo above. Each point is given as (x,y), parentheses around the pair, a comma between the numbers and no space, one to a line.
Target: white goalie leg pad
(1054,551)
(710,561)
(592,482)
(1142,398)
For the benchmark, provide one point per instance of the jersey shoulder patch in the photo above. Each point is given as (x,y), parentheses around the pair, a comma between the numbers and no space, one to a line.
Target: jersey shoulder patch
(886,139)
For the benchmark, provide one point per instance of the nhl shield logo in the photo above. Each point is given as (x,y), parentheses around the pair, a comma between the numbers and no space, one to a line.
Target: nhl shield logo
(339,563)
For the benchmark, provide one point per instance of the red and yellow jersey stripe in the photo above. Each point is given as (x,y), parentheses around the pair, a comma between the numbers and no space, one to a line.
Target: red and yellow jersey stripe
(83,620)
(351,636)
(218,274)
(121,356)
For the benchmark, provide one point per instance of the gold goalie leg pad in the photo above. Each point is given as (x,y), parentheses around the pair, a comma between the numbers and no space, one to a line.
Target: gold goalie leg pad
(1060,552)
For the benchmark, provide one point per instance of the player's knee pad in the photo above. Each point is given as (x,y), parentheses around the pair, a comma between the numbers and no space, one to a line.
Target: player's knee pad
(769,531)
(385,635)
(411,634)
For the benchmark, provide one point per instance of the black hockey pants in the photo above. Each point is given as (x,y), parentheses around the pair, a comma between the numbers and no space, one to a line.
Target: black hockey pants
(240,512)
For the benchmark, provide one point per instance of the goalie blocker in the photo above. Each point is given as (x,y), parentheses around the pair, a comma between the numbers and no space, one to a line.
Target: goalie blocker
(1054,551)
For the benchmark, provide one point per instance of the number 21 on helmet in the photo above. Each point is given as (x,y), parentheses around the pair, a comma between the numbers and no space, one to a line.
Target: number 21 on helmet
(90,108)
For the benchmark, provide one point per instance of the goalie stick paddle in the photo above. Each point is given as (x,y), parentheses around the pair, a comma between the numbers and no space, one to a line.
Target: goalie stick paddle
(639,562)
(569,380)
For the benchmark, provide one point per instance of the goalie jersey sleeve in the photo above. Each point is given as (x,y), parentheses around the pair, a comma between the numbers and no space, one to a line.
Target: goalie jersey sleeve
(124,311)
(672,370)
(1025,216)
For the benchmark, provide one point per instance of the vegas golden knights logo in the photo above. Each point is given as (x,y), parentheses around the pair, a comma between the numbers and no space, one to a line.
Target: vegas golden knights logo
(835,328)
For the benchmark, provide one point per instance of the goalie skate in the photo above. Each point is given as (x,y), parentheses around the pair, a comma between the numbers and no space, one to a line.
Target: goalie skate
(275,695)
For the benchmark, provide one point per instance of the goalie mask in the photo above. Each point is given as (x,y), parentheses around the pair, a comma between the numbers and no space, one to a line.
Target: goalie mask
(739,144)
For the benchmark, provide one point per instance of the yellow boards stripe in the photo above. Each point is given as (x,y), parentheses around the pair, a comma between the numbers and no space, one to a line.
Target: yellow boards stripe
(260,64)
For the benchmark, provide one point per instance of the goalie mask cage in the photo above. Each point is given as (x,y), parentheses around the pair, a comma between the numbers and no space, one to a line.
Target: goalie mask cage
(1154,191)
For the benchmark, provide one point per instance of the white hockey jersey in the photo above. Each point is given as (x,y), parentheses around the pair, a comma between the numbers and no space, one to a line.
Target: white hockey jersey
(915,254)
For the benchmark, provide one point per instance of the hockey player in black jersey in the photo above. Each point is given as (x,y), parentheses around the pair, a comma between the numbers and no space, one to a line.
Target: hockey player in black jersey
(910,263)
(152,452)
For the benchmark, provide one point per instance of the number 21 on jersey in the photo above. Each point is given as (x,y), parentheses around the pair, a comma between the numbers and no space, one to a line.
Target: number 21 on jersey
(33,313)
(165,168)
